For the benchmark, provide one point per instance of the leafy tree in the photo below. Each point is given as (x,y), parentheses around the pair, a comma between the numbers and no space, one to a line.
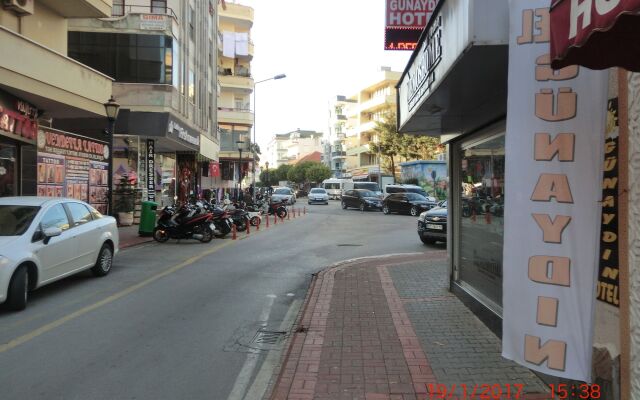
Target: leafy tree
(281,173)
(267,177)
(255,148)
(318,173)
(298,173)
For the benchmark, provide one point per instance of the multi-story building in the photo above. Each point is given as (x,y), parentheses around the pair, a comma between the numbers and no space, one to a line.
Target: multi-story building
(39,86)
(162,55)
(235,118)
(335,149)
(286,148)
(367,107)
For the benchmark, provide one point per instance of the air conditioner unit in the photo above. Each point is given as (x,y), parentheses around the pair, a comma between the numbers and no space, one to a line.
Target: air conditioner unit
(20,7)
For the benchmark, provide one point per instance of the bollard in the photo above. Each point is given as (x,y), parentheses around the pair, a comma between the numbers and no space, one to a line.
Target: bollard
(487,217)
(233,232)
(258,225)
(275,218)
(289,214)
(248,225)
(267,220)
(473,215)
(305,210)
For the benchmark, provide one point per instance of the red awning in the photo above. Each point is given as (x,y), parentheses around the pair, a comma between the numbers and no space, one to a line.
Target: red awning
(597,34)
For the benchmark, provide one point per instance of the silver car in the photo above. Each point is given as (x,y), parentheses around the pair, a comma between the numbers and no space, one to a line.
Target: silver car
(318,195)
(283,193)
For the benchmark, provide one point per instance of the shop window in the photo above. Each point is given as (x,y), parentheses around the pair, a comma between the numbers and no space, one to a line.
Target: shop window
(480,223)
(8,171)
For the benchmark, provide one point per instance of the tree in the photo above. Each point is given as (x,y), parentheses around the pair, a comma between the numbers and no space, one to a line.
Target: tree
(281,173)
(255,149)
(318,173)
(298,173)
(267,178)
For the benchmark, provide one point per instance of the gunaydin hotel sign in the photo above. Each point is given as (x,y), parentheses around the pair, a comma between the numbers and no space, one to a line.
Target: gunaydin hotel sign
(554,151)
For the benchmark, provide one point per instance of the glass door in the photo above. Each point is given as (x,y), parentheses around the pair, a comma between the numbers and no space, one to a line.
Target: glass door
(8,170)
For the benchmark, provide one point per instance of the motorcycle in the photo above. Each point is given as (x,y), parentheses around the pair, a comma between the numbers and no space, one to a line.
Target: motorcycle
(188,222)
(239,216)
(221,220)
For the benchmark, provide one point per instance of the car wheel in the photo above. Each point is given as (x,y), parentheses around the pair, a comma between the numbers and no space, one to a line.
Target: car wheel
(18,291)
(344,205)
(385,209)
(362,207)
(414,211)
(160,235)
(427,240)
(105,260)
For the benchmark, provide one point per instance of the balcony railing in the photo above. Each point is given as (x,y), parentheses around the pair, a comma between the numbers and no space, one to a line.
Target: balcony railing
(228,142)
(240,71)
(122,10)
(336,154)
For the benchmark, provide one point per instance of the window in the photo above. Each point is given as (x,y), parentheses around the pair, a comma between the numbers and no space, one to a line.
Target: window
(79,213)
(158,6)
(15,220)
(192,87)
(192,22)
(55,217)
(95,213)
(118,8)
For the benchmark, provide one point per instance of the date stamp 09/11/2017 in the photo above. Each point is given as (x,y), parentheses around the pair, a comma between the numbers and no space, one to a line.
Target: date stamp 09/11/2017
(487,391)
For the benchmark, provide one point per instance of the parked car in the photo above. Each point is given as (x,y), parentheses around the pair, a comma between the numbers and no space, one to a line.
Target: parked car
(432,225)
(45,239)
(318,195)
(362,199)
(411,203)
(301,193)
(372,186)
(390,189)
(281,193)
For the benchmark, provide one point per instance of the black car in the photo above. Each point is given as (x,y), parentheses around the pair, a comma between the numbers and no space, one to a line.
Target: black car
(362,199)
(411,203)
(432,225)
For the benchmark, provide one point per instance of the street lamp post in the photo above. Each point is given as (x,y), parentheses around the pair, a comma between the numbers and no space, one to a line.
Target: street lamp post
(266,163)
(279,76)
(240,143)
(111,109)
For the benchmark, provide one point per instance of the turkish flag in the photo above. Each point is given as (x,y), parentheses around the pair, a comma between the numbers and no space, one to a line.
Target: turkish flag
(214,169)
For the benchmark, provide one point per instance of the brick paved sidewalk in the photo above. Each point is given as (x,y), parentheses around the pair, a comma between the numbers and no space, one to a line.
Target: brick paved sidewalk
(387,328)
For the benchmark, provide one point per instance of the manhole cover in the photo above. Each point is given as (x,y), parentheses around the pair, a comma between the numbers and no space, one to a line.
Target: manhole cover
(349,245)
(268,337)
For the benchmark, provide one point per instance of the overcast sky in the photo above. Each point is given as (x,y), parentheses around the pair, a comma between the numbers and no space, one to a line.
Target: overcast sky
(325,47)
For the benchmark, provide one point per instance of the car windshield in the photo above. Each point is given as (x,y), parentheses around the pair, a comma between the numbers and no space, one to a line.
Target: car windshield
(282,191)
(418,191)
(334,185)
(15,220)
(416,197)
(368,193)
(368,185)
(318,191)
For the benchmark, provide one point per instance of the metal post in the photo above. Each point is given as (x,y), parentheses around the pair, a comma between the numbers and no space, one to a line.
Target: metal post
(240,173)
(111,129)
(253,149)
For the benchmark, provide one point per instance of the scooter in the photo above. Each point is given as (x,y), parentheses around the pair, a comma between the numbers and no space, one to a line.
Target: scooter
(188,222)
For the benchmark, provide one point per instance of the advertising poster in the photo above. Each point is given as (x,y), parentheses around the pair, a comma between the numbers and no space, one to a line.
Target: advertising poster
(553,191)
(405,21)
(73,166)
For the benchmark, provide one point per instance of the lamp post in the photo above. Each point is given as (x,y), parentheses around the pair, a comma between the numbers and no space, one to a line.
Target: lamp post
(266,163)
(240,143)
(111,109)
(279,76)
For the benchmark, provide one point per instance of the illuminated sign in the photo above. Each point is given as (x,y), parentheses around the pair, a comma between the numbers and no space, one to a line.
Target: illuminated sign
(405,20)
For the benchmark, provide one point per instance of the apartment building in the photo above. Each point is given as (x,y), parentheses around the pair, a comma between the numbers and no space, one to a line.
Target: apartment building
(335,154)
(162,55)
(235,117)
(363,110)
(40,85)
(290,147)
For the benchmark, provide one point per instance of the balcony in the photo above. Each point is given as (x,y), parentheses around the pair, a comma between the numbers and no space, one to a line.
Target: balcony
(238,116)
(236,14)
(367,127)
(80,8)
(131,19)
(238,82)
(377,103)
(73,91)
(338,154)
(229,147)
(358,150)
(146,96)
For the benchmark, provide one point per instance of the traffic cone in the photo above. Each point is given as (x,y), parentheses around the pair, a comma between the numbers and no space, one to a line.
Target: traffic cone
(233,232)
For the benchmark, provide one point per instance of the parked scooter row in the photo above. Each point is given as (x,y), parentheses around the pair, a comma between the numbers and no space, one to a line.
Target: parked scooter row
(203,220)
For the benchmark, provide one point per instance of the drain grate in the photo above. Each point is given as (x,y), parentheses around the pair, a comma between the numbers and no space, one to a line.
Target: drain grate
(349,245)
(268,337)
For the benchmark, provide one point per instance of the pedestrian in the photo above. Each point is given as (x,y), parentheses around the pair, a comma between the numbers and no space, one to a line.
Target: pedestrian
(240,196)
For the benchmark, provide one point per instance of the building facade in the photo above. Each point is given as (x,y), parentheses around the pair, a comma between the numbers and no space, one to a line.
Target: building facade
(287,148)
(37,93)
(335,154)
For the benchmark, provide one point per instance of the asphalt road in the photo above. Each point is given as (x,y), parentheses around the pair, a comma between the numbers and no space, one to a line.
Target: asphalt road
(176,320)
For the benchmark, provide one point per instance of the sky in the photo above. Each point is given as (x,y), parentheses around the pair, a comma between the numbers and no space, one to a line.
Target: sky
(325,47)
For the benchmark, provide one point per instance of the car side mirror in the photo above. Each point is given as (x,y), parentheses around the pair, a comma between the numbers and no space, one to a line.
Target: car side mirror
(51,232)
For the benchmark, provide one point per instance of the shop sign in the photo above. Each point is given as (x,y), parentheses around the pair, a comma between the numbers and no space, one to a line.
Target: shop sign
(151,170)
(422,75)
(154,22)
(73,166)
(183,134)
(20,121)
(554,151)
(405,21)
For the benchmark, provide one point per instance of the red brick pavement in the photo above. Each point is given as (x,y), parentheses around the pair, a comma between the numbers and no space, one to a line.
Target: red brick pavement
(354,340)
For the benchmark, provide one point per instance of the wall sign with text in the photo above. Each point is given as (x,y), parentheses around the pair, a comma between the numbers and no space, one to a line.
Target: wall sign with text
(405,21)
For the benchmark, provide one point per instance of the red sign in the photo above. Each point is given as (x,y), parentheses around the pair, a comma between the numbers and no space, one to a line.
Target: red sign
(214,169)
(405,20)
(597,34)
(18,124)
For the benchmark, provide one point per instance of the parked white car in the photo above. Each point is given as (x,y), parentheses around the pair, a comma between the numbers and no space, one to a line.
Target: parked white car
(44,239)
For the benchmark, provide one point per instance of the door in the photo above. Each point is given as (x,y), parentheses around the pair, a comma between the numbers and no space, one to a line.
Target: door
(403,203)
(86,232)
(392,202)
(58,256)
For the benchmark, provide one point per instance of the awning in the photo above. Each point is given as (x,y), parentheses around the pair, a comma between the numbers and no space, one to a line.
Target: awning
(597,34)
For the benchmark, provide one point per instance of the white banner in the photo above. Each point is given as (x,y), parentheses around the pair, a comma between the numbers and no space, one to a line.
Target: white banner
(555,123)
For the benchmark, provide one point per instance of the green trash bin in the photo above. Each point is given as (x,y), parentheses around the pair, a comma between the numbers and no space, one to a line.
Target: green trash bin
(147,218)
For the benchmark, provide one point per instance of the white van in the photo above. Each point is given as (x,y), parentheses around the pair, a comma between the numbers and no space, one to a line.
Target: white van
(372,186)
(334,187)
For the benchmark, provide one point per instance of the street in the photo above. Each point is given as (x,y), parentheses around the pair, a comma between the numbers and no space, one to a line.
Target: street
(178,320)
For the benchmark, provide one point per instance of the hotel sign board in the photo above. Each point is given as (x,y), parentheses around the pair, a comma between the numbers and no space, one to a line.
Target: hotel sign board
(405,21)
(553,183)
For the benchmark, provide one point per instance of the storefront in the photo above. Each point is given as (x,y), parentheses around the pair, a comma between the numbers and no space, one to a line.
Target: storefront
(455,87)
(18,133)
